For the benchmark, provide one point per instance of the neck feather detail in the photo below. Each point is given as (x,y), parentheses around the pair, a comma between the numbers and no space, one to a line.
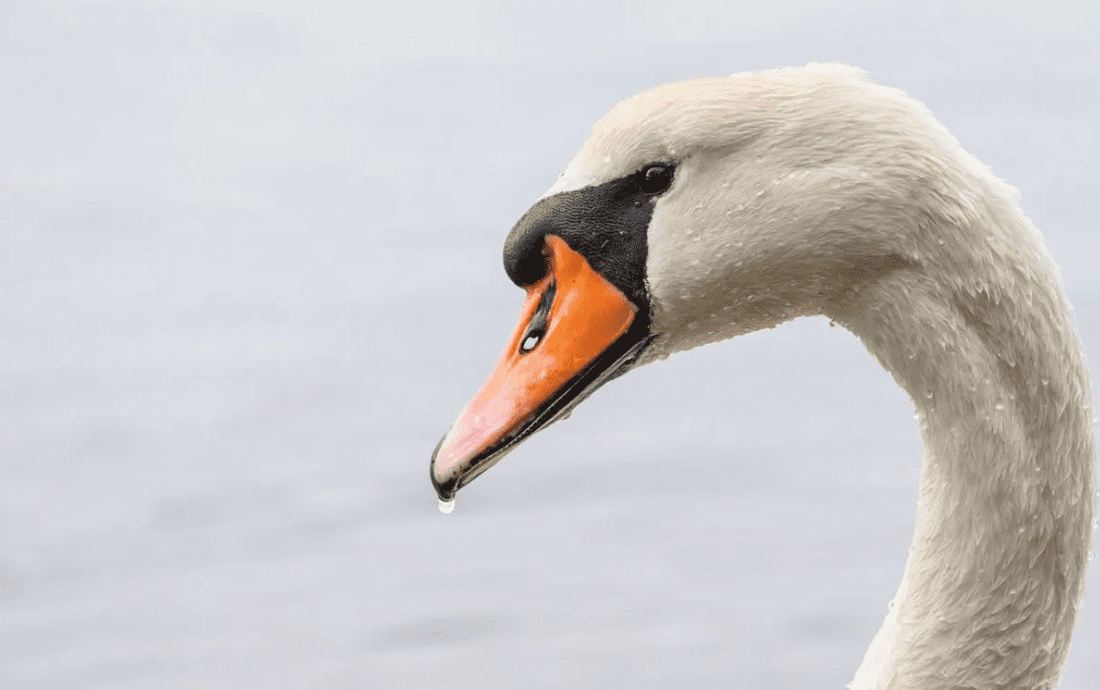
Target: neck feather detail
(1005,515)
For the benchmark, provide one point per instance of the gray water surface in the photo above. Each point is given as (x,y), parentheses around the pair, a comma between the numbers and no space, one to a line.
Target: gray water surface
(250,272)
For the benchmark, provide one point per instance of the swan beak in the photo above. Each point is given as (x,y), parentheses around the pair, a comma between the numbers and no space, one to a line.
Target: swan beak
(570,318)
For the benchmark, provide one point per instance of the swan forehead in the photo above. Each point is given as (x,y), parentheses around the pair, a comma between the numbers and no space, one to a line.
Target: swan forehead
(675,121)
(661,124)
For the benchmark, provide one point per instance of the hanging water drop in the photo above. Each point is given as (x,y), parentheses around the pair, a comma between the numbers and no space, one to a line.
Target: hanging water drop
(446,507)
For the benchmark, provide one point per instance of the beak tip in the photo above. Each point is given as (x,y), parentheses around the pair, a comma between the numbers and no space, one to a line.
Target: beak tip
(445,487)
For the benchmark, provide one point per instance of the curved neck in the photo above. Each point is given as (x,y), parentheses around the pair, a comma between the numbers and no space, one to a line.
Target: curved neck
(1005,513)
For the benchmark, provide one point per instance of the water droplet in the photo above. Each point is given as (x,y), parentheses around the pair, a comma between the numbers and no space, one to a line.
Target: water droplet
(1000,406)
(446,507)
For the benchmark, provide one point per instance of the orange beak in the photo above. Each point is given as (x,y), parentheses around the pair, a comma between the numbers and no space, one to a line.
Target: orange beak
(556,356)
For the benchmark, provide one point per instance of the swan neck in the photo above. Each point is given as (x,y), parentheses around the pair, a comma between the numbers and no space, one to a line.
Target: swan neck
(1005,513)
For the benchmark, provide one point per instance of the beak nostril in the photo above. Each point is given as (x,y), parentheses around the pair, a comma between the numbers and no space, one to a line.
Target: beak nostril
(531,341)
(539,323)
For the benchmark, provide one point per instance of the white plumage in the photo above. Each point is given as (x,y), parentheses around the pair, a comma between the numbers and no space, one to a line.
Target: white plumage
(812,191)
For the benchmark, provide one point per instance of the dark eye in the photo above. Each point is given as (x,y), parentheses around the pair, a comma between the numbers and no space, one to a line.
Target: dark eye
(655,179)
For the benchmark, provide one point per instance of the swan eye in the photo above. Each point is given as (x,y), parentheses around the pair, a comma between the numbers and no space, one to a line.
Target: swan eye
(655,179)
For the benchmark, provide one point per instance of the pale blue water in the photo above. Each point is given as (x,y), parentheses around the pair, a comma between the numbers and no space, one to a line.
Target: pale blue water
(250,272)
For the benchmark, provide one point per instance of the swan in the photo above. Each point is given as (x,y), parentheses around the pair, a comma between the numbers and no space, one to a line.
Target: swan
(705,209)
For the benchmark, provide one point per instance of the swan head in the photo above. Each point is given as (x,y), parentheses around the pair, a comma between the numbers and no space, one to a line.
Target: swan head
(704,209)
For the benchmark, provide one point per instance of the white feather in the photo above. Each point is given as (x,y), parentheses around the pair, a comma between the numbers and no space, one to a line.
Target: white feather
(812,191)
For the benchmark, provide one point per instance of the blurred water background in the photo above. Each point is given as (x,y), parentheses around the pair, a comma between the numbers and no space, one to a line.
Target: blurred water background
(250,272)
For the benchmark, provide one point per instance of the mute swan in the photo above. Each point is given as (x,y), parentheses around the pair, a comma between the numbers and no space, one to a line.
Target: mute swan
(709,208)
